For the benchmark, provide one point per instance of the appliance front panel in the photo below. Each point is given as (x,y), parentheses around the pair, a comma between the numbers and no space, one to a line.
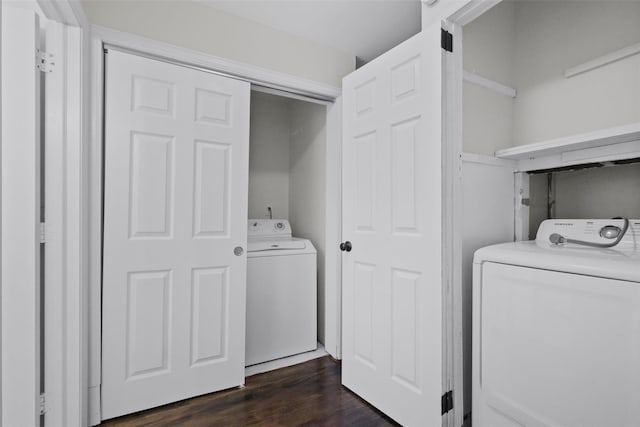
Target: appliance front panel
(555,349)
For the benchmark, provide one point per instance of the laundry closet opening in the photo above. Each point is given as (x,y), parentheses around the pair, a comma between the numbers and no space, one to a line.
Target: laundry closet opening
(287,171)
(189,157)
(550,124)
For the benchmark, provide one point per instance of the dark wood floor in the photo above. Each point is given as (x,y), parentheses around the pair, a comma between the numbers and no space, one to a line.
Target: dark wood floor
(308,394)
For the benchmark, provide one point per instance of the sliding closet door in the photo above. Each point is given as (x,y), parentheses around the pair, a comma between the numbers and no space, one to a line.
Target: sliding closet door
(175,209)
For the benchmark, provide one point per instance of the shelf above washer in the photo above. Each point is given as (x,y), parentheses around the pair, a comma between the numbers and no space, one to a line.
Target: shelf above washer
(599,138)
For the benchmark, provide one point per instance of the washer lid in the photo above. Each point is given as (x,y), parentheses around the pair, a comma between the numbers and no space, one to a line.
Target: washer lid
(620,262)
(611,263)
(257,245)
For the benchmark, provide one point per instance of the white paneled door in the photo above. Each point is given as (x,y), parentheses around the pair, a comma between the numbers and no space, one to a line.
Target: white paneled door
(392,197)
(20,191)
(175,209)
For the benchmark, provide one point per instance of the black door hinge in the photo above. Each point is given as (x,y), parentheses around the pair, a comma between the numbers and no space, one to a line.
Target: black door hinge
(446,40)
(447,402)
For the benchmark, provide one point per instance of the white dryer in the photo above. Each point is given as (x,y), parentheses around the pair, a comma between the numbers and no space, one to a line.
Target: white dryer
(281,292)
(556,328)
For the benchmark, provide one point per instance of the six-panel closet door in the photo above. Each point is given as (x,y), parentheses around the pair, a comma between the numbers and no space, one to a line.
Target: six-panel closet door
(392,218)
(175,209)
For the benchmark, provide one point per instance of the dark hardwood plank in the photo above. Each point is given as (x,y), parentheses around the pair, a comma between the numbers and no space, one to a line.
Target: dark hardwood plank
(308,394)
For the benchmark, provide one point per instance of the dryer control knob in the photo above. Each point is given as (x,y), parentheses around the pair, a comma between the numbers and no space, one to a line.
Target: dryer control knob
(610,232)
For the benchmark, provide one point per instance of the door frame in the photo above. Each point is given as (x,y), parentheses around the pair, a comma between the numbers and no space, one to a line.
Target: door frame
(453,18)
(63,354)
(102,37)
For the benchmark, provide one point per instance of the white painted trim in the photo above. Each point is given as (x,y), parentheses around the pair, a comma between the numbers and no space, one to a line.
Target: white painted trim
(1,260)
(453,157)
(598,138)
(68,12)
(94,177)
(603,60)
(609,153)
(285,94)
(627,150)
(451,234)
(81,19)
(20,200)
(94,405)
(148,47)
(333,231)
(65,355)
(54,259)
(251,73)
(487,160)
(472,10)
(272,365)
(75,329)
(521,211)
(488,84)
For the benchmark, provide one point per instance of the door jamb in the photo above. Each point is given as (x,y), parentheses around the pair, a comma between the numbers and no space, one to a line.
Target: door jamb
(453,205)
(64,357)
(333,231)
(64,332)
(94,175)
(451,233)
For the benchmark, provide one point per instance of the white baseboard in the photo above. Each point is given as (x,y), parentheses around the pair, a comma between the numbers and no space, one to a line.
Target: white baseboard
(272,365)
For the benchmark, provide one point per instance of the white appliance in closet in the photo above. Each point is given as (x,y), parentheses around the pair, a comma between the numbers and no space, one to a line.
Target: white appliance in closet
(544,89)
(556,327)
(281,292)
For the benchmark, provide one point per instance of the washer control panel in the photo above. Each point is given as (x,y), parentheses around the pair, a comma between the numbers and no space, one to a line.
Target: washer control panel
(262,228)
(590,230)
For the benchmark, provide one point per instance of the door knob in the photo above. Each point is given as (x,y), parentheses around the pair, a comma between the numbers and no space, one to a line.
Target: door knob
(237,251)
(346,246)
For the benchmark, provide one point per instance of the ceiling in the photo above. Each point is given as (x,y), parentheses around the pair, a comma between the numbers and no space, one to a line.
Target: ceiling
(364,28)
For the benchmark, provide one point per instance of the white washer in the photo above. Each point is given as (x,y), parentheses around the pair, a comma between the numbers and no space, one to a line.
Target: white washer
(556,329)
(281,292)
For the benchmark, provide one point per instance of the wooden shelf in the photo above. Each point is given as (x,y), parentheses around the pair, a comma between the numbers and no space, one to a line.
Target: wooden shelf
(599,138)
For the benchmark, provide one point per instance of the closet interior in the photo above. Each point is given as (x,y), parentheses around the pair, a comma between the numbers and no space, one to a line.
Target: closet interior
(287,170)
(551,123)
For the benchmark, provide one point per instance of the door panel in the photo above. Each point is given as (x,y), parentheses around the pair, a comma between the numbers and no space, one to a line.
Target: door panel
(176,167)
(392,200)
(20,213)
(147,322)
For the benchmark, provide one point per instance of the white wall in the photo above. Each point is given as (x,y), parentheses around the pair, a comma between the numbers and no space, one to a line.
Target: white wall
(269,156)
(528,45)
(307,195)
(196,26)
(554,36)
(488,115)
(287,170)
(488,194)
(603,192)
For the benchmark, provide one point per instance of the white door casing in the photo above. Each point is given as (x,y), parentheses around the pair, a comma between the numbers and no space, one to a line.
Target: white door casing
(392,214)
(176,179)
